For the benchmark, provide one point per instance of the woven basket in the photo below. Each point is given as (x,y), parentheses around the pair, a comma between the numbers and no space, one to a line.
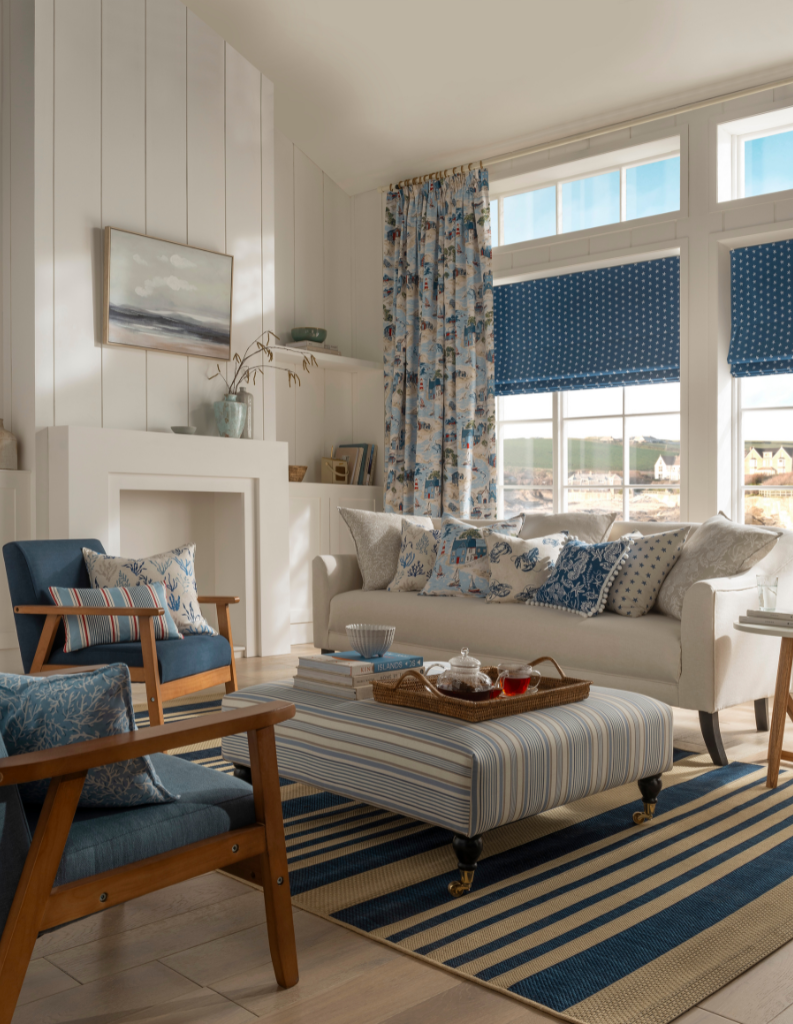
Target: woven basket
(414,690)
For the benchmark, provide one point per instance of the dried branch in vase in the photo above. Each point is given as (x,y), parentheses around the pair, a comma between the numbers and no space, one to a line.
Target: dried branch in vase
(245,372)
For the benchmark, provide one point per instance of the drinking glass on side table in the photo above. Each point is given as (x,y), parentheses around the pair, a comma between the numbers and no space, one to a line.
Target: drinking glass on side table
(766,590)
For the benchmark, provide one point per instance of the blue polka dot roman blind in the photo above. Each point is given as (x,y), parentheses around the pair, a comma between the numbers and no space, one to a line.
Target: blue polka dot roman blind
(762,309)
(595,329)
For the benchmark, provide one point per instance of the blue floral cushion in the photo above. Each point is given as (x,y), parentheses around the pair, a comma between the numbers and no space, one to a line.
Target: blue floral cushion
(39,712)
(462,565)
(174,569)
(90,630)
(416,556)
(581,579)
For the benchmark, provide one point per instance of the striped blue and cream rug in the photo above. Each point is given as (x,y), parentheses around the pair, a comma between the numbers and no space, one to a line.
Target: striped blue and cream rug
(576,910)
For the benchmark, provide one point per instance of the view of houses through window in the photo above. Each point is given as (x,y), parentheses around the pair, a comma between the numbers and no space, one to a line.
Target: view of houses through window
(610,449)
(767,449)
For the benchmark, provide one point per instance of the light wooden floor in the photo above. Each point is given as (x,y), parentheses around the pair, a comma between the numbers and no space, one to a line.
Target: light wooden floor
(197,954)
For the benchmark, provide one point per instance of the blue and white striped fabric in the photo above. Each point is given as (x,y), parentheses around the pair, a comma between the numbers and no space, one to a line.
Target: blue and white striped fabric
(594,329)
(90,630)
(762,309)
(459,775)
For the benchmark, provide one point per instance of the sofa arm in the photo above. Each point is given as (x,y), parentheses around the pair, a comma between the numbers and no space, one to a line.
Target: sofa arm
(331,575)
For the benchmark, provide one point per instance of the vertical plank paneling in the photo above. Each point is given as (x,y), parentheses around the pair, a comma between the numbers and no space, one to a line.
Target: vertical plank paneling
(43,212)
(243,205)
(284,236)
(206,185)
(167,400)
(5,206)
(77,199)
(368,271)
(369,415)
(309,247)
(269,380)
(338,266)
(310,442)
(124,186)
(338,410)
(285,412)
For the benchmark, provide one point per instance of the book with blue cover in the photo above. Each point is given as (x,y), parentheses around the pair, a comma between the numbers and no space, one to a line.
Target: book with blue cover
(350,663)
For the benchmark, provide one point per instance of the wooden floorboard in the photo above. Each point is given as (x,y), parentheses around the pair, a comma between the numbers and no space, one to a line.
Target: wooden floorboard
(197,953)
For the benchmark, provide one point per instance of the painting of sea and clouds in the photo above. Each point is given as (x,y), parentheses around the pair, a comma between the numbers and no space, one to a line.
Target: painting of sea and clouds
(167,296)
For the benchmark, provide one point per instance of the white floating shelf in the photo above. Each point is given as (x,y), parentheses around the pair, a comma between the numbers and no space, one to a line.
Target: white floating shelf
(325,359)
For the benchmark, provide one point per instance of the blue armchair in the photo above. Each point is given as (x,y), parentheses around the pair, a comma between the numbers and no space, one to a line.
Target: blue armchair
(78,862)
(169,668)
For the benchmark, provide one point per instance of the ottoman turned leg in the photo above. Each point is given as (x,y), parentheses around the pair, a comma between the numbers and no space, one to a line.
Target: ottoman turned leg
(468,850)
(649,788)
(242,771)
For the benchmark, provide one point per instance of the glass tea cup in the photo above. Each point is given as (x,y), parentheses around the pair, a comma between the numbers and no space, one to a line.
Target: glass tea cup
(766,590)
(516,680)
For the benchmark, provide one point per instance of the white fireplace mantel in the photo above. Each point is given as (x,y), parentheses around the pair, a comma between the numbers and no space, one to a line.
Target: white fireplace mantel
(82,472)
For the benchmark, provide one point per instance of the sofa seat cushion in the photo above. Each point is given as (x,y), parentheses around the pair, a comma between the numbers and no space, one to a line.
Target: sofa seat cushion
(209,803)
(647,647)
(176,658)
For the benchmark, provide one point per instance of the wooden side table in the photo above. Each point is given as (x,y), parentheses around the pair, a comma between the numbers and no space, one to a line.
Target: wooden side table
(783,702)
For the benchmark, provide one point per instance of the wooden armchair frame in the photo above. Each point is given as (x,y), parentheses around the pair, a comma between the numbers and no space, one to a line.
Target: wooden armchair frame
(156,692)
(38,906)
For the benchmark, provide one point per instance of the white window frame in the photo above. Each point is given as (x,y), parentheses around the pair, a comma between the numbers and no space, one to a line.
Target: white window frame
(731,139)
(622,166)
(741,487)
(559,420)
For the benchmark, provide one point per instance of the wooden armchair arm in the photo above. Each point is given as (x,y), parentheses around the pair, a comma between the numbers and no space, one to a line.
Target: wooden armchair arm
(218,600)
(57,609)
(80,757)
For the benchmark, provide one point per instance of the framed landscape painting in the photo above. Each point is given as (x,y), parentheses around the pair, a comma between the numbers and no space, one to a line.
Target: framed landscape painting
(167,296)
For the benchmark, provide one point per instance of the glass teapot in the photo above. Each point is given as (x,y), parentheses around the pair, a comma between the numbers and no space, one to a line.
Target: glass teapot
(465,679)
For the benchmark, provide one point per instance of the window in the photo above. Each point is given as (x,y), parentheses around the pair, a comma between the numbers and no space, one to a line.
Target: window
(607,449)
(640,182)
(766,426)
(755,155)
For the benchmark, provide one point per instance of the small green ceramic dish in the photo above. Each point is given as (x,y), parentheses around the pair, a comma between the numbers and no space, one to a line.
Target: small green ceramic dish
(317,334)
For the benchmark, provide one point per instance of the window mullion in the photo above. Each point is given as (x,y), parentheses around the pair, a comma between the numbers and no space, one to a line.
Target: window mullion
(559,454)
(626,462)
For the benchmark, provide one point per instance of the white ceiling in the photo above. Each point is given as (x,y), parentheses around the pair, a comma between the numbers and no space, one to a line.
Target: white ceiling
(374,91)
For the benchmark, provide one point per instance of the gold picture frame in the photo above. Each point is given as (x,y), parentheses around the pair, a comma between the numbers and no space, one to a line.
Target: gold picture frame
(166,296)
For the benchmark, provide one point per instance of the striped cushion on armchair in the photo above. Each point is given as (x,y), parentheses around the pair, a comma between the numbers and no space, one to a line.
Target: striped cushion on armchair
(88,631)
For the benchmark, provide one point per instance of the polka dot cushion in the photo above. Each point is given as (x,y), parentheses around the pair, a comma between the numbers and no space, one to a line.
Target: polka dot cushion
(636,586)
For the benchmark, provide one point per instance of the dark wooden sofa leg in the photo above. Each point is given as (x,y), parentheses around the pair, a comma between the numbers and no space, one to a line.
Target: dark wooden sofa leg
(649,789)
(468,850)
(711,734)
(761,714)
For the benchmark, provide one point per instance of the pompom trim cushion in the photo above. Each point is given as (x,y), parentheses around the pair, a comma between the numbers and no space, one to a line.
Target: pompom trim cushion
(568,552)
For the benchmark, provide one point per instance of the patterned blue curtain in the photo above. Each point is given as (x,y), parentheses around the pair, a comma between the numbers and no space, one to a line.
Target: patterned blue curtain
(762,309)
(438,326)
(595,329)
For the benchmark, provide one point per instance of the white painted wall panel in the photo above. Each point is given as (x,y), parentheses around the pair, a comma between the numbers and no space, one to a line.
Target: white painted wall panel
(269,380)
(77,203)
(338,410)
(367,323)
(368,406)
(284,236)
(285,407)
(310,441)
(124,186)
(338,266)
(44,102)
(309,247)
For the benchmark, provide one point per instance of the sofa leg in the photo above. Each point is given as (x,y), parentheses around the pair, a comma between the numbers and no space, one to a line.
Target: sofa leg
(761,714)
(241,771)
(649,789)
(711,734)
(468,850)
(325,650)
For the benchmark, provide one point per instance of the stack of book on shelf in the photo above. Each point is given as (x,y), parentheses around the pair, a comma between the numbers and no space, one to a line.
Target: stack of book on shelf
(757,617)
(314,346)
(360,459)
(348,675)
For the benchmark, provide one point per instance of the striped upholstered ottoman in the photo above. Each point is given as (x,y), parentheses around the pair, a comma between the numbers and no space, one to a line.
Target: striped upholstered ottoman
(466,777)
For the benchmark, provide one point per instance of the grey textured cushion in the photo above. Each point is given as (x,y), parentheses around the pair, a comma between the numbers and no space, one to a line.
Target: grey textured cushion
(718,548)
(378,539)
(636,585)
(590,527)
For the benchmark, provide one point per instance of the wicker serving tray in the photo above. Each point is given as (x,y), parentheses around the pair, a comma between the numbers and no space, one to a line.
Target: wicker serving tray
(415,690)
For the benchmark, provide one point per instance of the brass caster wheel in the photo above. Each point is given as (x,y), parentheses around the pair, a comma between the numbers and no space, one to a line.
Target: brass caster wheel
(640,817)
(457,889)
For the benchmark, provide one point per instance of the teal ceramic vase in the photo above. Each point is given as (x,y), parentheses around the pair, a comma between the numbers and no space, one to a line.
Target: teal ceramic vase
(230,416)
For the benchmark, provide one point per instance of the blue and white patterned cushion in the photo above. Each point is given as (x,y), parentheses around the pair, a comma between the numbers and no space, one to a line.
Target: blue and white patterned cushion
(580,580)
(174,569)
(416,557)
(462,549)
(39,712)
(636,585)
(89,630)
(518,567)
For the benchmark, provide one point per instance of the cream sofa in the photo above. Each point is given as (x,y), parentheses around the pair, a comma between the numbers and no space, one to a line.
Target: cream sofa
(700,663)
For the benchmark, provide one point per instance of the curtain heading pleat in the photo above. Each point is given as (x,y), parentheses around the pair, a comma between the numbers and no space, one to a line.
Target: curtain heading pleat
(595,329)
(762,309)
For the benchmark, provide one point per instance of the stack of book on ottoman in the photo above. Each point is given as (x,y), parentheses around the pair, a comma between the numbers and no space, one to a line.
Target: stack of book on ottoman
(349,676)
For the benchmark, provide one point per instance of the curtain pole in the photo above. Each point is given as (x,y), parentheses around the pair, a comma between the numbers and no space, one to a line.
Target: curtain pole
(594,133)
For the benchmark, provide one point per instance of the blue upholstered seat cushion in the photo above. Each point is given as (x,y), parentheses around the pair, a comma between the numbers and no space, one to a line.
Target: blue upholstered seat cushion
(14,843)
(92,630)
(39,712)
(176,658)
(210,803)
(583,574)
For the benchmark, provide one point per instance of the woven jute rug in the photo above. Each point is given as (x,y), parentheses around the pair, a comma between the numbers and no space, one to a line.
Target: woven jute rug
(576,911)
